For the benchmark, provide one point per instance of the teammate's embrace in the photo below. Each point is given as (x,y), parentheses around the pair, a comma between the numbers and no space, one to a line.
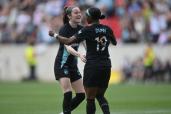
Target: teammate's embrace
(98,66)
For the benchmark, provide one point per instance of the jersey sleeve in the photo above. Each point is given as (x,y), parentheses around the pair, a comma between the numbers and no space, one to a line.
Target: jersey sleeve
(112,37)
(81,35)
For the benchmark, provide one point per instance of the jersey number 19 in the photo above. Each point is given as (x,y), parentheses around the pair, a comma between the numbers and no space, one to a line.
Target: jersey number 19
(101,43)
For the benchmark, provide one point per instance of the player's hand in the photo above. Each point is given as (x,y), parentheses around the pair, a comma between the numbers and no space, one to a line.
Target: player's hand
(51,33)
(83,58)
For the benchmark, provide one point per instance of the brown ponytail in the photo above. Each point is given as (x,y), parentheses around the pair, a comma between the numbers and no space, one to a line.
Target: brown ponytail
(67,11)
(65,16)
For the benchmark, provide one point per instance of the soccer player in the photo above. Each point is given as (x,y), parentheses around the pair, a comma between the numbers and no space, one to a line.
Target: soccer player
(65,68)
(98,65)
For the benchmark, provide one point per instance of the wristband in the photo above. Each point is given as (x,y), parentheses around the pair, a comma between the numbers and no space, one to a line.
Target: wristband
(55,35)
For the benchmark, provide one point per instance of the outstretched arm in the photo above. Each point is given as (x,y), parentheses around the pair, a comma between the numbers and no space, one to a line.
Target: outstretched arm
(62,39)
(75,53)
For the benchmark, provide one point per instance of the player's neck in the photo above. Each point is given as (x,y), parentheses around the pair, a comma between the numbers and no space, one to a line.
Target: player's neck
(73,25)
(95,22)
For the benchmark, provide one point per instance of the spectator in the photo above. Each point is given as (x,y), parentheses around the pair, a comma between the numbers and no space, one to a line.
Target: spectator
(168,70)
(154,27)
(138,70)
(127,69)
(147,20)
(43,36)
(5,36)
(158,71)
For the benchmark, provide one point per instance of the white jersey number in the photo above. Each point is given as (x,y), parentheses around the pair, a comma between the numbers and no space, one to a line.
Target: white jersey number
(101,43)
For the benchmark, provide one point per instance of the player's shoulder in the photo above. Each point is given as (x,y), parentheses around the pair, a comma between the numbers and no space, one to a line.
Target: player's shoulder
(64,29)
(84,29)
(80,26)
(99,26)
(105,26)
(88,28)
(65,26)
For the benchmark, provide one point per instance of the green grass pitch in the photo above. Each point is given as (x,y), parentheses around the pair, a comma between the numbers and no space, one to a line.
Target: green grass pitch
(46,98)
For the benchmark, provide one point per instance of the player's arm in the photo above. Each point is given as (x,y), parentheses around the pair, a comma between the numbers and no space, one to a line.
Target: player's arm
(62,39)
(113,40)
(112,37)
(75,53)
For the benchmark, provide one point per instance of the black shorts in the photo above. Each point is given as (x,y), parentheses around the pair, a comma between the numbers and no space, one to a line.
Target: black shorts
(96,77)
(65,71)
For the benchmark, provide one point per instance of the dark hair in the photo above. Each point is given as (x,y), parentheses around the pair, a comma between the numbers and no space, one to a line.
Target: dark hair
(94,13)
(67,11)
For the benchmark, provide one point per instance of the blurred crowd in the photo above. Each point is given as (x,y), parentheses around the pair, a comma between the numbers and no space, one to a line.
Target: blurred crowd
(147,68)
(133,21)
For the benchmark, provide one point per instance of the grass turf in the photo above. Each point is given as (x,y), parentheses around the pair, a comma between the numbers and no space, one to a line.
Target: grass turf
(46,98)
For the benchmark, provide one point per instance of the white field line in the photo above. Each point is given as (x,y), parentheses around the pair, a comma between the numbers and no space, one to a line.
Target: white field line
(144,112)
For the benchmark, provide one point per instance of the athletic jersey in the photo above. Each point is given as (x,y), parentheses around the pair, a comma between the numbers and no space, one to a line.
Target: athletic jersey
(64,58)
(97,38)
